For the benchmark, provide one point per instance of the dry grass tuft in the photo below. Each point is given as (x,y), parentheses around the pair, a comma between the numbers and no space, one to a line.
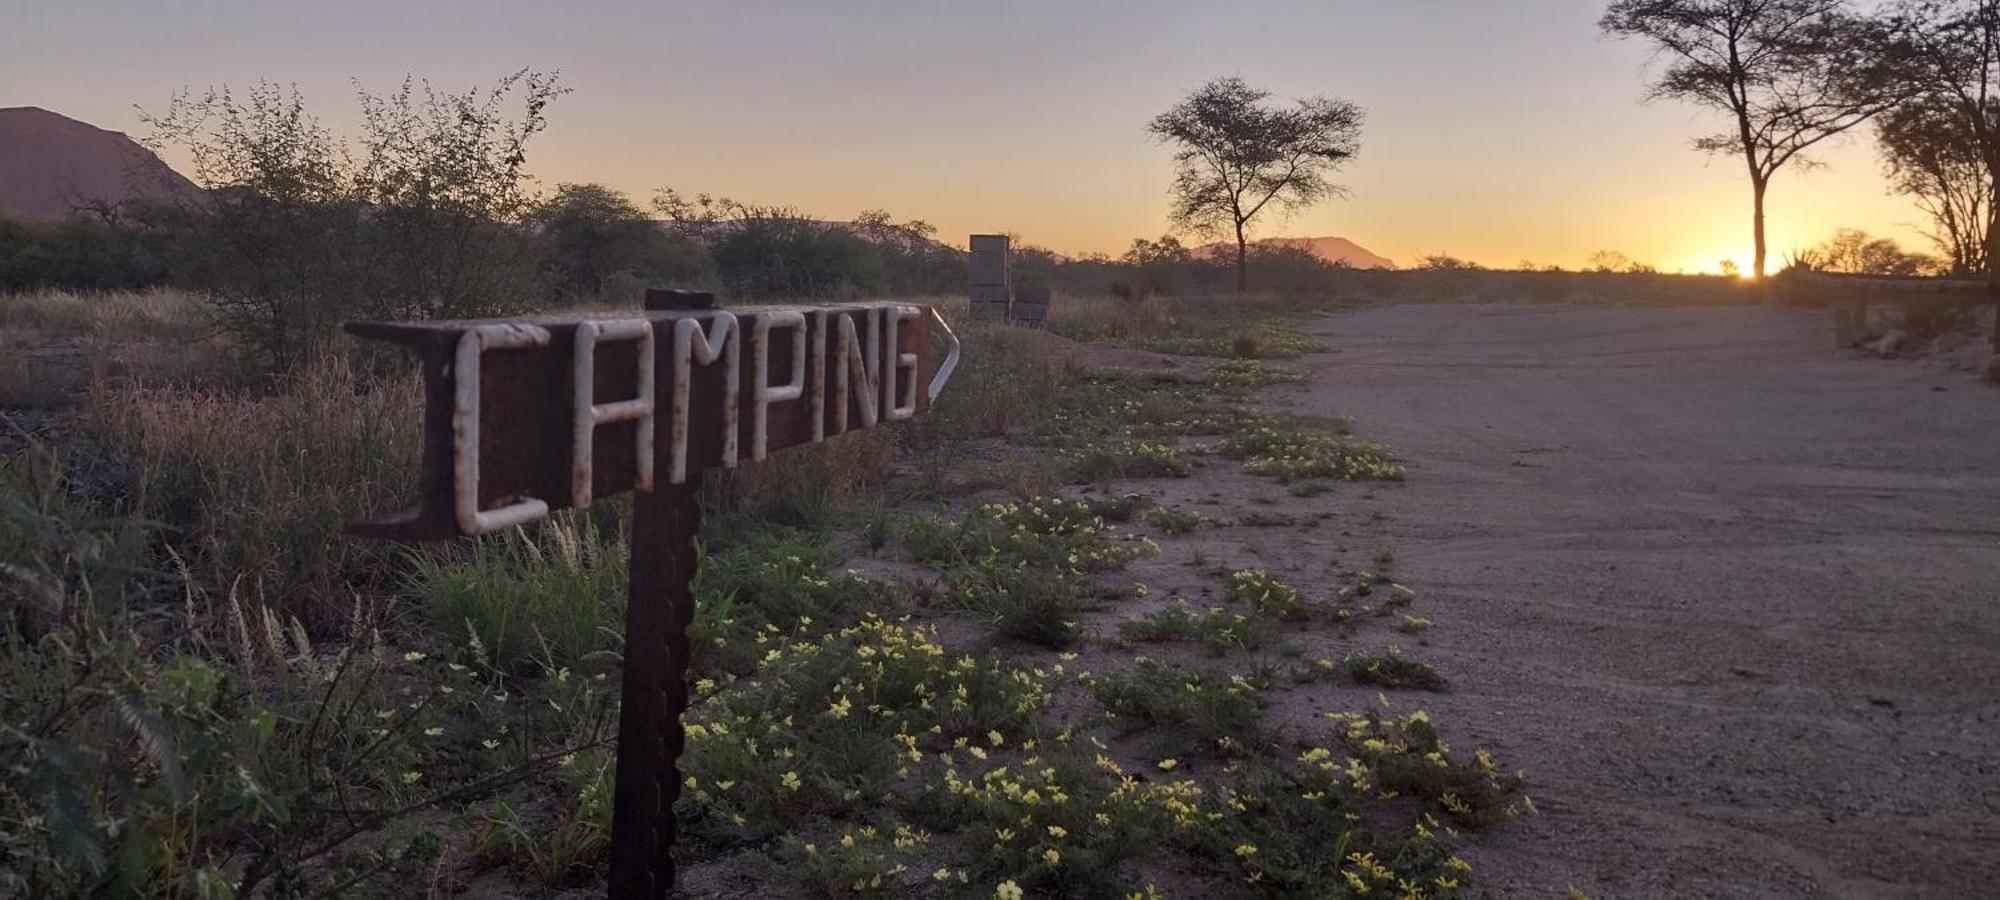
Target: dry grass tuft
(809,485)
(263,484)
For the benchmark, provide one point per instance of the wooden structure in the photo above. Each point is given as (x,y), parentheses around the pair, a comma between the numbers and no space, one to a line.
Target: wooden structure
(1031,306)
(529,415)
(992,294)
(1850,297)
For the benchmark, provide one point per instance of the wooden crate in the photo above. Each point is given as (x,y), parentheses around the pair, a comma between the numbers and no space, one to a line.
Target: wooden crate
(1031,306)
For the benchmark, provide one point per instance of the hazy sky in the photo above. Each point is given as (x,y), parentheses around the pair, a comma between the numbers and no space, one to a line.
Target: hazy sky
(1499,131)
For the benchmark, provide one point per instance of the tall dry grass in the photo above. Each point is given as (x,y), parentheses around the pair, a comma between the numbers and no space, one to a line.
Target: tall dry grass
(157,314)
(54,343)
(808,486)
(1006,377)
(1099,317)
(260,485)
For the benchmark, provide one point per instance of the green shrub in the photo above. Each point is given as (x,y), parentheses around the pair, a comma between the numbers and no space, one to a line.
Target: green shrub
(1055,823)
(297,234)
(571,848)
(1053,532)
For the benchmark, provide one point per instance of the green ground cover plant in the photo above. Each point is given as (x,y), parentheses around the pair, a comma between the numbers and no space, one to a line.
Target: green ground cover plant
(1292,455)
(1175,523)
(1027,567)
(1389,669)
(1218,630)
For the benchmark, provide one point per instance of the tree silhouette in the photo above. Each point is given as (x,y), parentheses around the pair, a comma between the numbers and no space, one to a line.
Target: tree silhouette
(1934,159)
(1238,157)
(1857,252)
(1948,53)
(595,241)
(1789,73)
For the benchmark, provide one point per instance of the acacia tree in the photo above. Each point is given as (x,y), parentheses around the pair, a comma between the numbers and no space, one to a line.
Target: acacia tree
(1238,156)
(1789,73)
(1934,159)
(1948,52)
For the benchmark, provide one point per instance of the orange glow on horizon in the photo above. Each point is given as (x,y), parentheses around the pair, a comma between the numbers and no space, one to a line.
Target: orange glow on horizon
(1032,124)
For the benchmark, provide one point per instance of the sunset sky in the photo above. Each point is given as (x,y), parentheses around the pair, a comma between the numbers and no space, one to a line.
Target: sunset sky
(1496,131)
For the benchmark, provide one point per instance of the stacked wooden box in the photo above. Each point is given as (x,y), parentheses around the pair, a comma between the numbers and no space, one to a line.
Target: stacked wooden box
(992,297)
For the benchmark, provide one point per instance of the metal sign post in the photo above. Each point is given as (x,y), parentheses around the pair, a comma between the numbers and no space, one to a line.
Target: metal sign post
(526,416)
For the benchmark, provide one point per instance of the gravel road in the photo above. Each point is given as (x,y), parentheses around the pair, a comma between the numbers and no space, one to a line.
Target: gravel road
(1730,598)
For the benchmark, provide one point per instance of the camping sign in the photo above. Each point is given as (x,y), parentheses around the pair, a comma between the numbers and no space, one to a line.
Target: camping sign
(529,415)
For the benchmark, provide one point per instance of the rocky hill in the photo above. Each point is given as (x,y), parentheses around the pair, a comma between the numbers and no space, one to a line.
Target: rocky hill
(50,164)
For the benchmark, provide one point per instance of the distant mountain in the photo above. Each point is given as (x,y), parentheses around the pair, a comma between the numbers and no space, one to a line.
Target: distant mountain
(49,163)
(1337,250)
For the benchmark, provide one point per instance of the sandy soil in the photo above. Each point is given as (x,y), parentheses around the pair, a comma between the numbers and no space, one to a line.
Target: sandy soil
(1731,599)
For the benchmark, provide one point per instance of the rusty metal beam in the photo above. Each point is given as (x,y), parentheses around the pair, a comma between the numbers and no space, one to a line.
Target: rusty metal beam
(525,388)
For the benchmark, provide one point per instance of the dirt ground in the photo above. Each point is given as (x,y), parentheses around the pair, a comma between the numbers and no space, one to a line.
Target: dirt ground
(1730,598)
